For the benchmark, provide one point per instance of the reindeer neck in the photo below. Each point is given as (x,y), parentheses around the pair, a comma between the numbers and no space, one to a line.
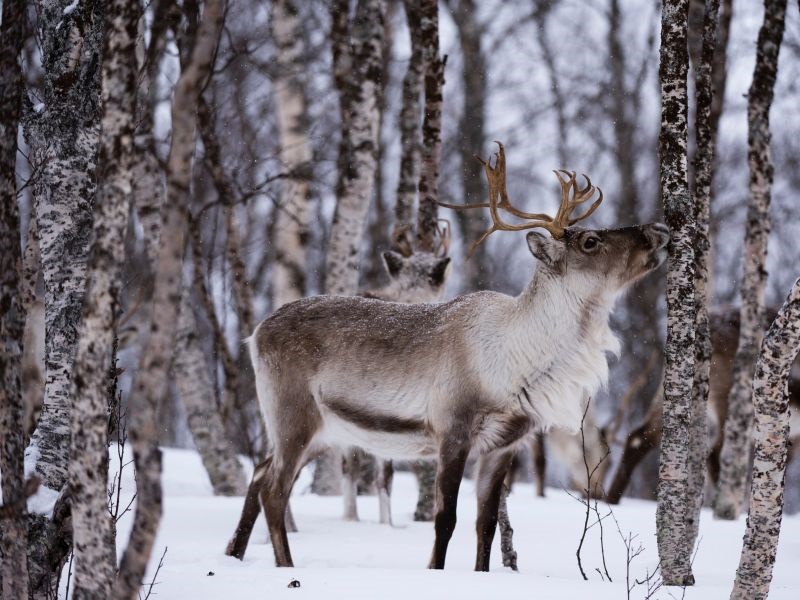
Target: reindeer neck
(551,308)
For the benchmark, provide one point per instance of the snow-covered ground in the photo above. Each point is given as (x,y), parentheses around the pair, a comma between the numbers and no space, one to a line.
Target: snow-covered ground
(366,560)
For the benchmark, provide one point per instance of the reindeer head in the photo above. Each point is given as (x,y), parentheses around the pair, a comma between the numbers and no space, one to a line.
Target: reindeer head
(589,260)
(416,276)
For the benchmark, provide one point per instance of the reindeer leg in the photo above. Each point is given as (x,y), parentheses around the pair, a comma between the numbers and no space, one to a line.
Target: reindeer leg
(491,474)
(238,544)
(539,456)
(452,458)
(639,443)
(384,484)
(350,471)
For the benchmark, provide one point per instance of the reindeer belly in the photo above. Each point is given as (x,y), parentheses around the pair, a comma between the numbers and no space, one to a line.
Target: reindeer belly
(384,429)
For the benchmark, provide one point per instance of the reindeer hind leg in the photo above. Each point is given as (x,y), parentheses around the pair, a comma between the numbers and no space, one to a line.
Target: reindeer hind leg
(238,543)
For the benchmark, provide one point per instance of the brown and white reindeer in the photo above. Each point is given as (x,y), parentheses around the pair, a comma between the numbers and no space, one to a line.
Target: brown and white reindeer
(414,277)
(476,374)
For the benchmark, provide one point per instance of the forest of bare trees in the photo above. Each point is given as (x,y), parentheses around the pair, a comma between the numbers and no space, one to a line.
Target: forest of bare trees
(173,173)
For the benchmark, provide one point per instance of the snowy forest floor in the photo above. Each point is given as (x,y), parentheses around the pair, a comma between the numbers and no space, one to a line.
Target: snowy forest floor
(365,560)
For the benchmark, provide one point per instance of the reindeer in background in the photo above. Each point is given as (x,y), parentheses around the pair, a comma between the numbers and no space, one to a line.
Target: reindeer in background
(476,374)
(723,325)
(414,277)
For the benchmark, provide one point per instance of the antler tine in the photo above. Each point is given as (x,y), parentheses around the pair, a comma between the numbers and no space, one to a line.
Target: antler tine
(571,196)
(445,235)
(579,196)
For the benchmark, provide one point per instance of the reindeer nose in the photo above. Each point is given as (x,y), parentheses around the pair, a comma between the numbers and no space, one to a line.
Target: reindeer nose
(658,234)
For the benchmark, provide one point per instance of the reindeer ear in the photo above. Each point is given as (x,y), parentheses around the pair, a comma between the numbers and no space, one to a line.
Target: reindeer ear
(548,250)
(393,262)
(439,271)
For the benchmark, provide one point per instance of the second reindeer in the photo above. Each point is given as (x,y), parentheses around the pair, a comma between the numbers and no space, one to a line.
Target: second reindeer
(475,374)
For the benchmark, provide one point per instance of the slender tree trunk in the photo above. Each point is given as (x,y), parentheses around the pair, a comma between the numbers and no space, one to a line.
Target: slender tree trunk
(541,13)
(357,74)
(673,491)
(195,389)
(291,235)
(703,173)
(738,425)
(151,381)
(13,528)
(471,128)
(342,264)
(93,534)
(148,180)
(63,135)
(770,400)
(410,115)
(427,224)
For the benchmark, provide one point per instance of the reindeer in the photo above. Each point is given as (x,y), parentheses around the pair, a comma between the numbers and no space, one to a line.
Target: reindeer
(414,277)
(476,374)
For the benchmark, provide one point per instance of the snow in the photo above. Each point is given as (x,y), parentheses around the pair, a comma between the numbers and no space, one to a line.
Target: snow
(70,7)
(365,560)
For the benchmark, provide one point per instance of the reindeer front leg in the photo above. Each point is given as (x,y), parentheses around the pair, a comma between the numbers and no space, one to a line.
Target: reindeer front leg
(491,473)
(452,458)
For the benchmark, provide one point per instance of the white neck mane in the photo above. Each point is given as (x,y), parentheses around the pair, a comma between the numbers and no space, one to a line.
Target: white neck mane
(552,355)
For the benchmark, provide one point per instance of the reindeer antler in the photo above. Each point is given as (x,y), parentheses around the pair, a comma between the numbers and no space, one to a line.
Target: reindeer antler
(498,199)
(444,233)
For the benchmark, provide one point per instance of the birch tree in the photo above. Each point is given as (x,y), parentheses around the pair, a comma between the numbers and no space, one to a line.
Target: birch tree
(291,233)
(151,381)
(357,50)
(471,127)
(770,400)
(196,391)
(13,528)
(94,552)
(673,490)
(63,134)
(703,169)
(738,425)
(410,139)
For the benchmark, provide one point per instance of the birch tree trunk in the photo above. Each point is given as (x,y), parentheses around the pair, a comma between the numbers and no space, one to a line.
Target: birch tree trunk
(195,389)
(472,136)
(342,264)
(357,74)
(410,116)
(13,528)
(63,134)
(673,481)
(733,458)
(704,161)
(94,551)
(151,381)
(291,224)
(238,411)
(427,224)
(770,400)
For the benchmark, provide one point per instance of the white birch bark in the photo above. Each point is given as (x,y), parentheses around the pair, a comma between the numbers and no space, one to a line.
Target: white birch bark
(150,384)
(342,262)
(63,134)
(770,400)
(704,161)
(734,458)
(291,224)
(410,135)
(94,552)
(196,391)
(13,526)
(673,481)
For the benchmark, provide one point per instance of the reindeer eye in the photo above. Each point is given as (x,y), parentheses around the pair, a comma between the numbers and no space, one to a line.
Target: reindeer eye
(591,243)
